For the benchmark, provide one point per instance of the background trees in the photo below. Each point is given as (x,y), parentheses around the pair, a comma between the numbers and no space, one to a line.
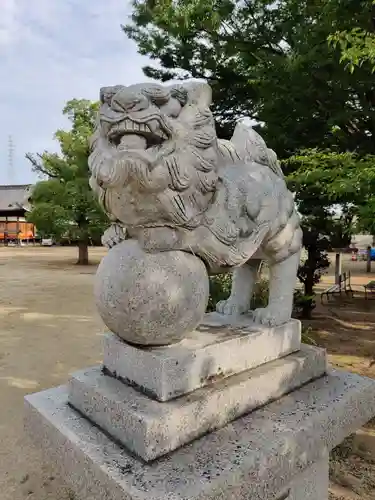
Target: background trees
(334,193)
(63,203)
(303,70)
(267,60)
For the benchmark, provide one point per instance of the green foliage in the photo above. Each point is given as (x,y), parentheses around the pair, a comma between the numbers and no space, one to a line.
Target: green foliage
(63,203)
(303,305)
(323,180)
(281,64)
(331,190)
(220,286)
(357,47)
(260,295)
(270,61)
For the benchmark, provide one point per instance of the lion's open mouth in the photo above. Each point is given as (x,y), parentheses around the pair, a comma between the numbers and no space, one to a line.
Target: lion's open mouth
(151,131)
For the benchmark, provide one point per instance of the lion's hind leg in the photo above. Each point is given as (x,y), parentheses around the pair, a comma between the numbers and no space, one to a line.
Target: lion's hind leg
(243,281)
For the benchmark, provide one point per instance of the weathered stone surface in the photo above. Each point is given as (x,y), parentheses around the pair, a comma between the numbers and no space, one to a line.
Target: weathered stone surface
(218,348)
(254,457)
(151,429)
(311,484)
(164,177)
(150,299)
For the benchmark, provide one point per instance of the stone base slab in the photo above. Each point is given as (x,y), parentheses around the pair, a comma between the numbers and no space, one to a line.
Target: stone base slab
(256,456)
(151,429)
(221,346)
(311,484)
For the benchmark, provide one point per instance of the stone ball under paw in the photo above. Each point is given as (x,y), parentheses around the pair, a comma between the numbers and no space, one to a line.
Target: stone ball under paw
(151,298)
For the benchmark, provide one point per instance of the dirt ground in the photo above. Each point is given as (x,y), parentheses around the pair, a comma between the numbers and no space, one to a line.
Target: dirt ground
(50,328)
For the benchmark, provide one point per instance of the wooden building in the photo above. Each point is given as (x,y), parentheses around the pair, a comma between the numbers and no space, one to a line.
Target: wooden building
(14,204)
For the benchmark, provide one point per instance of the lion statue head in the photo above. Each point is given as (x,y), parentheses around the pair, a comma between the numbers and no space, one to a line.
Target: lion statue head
(154,157)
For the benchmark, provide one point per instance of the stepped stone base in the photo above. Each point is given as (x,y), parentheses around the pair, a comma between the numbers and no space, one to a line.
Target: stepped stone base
(278,452)
(222,346)
(150,429)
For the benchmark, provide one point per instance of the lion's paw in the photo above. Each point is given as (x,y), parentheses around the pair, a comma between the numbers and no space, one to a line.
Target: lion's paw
(268,316)
(114,235)
(230,307)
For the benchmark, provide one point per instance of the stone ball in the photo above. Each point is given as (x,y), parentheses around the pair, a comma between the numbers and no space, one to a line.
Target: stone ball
(151,298)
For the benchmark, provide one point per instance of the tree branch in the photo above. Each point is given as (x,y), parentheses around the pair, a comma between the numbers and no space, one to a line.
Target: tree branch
(38,167)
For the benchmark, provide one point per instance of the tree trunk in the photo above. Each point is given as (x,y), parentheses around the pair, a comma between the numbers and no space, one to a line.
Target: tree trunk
(83,253)
(309,285)
(309,292)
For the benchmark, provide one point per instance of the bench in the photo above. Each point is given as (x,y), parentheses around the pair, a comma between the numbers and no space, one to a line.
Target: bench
(369,287)
(343,286)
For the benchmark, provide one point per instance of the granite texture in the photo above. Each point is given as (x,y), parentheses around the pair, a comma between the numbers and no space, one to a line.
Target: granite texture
(151,429)
(166,180)
(211,352)
(253,457)
(311,484)
(150,299)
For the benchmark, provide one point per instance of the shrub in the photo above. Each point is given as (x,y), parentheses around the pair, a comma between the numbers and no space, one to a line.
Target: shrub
(260,295)
(220,286)
(303,304)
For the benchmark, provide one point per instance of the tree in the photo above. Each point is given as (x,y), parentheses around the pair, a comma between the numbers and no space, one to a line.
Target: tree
(267,60)
(335,193)
(63,204)
(341,181)
(276,63)
(357,45)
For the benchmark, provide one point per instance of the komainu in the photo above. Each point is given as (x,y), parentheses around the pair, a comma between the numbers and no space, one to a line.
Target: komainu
(166,180)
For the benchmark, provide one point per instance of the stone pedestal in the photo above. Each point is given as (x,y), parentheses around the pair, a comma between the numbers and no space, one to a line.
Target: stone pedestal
(232,412)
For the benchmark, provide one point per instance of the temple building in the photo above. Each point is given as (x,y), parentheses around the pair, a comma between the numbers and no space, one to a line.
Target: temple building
(14,204)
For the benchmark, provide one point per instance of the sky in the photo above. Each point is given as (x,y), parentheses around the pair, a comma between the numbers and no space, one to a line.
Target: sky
(52,51)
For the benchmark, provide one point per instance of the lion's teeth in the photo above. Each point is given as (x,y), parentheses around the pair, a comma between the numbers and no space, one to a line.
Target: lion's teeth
(130,126)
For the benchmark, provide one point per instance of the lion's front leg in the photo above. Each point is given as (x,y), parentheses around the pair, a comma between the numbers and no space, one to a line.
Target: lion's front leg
(282,284)
(243,281)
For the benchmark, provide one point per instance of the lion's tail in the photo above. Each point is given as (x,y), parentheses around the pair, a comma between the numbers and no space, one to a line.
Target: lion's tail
(247,145)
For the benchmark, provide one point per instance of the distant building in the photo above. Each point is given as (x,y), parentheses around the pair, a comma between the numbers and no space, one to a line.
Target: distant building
(14,204)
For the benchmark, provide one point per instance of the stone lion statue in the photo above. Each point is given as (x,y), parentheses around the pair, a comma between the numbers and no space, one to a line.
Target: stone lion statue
(166,180)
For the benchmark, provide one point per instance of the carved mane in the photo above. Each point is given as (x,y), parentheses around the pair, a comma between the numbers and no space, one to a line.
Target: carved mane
(190,191)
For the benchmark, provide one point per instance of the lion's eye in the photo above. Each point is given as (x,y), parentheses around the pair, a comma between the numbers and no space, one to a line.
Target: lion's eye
(134,103)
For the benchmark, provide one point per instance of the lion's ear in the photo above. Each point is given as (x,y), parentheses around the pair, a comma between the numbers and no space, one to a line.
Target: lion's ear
(106,93)
(198,93)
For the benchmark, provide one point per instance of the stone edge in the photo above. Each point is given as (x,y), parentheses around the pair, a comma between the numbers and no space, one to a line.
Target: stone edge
(277,437)
(167,373)
(151,429)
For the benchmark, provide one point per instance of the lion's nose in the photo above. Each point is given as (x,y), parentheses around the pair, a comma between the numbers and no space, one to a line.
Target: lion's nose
(126,100)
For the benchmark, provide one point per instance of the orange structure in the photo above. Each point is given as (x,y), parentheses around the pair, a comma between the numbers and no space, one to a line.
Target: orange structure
(13,208)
